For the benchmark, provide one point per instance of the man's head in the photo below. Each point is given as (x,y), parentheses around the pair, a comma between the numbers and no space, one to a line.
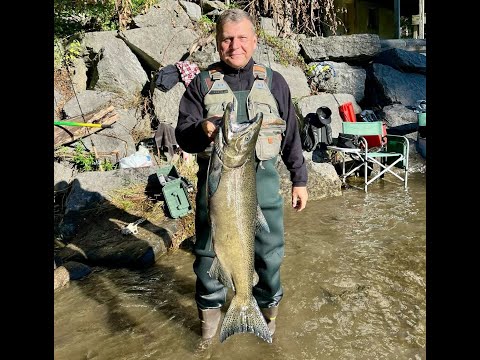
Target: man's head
(236,38)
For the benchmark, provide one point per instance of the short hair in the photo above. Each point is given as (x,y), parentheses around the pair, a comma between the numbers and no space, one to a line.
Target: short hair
(232,15)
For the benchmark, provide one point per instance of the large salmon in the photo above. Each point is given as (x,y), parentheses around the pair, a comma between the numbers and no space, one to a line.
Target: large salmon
(235,217)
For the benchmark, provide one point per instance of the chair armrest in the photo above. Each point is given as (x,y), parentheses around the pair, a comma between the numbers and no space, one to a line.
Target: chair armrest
(363,142)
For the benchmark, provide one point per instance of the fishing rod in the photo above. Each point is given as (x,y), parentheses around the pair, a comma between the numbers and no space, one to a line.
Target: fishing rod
(73,123)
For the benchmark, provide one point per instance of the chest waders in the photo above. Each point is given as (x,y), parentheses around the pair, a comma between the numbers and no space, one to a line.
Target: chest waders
(269,247)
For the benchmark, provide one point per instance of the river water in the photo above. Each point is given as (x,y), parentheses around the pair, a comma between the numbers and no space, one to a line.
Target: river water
(354,288)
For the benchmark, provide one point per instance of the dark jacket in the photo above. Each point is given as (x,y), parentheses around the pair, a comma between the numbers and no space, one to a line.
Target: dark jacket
(191,137)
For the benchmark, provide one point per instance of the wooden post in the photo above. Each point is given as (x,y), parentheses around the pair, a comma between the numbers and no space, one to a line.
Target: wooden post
(396,16)
(419,21)
(421,24)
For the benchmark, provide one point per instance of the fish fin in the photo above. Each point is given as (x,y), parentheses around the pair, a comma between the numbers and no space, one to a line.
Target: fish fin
(256,279)
(244,319)
(261,222)
(214,174)
(217,272)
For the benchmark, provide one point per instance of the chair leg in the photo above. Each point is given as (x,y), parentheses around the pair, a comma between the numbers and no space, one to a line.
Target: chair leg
(384,169)
(365,174)
(384,161)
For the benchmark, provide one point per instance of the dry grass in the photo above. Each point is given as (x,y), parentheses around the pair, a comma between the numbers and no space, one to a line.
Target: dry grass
(186,226)
(187,168)
(142,129)
(134,200)
(63,84)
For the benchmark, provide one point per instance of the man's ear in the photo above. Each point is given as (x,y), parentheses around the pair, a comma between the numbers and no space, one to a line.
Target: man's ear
(255,42)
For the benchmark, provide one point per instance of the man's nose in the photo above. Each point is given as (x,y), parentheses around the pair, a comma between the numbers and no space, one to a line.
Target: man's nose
(235,43)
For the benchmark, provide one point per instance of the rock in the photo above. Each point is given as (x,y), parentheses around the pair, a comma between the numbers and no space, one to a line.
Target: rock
(77,270)
(61,277)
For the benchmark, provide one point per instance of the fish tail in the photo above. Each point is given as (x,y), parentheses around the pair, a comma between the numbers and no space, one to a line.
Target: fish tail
(242,318)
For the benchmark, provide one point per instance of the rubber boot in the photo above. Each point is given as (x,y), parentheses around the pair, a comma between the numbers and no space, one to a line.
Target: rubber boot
(209,318)
(270,315)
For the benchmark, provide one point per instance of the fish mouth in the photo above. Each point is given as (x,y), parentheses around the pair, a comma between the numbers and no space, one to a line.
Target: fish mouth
(235,141)
(231,128)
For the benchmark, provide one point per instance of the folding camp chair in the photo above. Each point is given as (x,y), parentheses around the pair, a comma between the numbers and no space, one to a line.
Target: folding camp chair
(393,154)
(421,144)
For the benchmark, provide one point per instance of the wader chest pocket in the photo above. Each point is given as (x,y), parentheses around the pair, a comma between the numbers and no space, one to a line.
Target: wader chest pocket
(268,146)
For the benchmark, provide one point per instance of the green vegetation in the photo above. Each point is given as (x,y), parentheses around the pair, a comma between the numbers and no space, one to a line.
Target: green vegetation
(65,54)
(206,24)
(57,54)
(83,159)
(72,18)
(234,5)
(285,54)
(107,165)
(77,16)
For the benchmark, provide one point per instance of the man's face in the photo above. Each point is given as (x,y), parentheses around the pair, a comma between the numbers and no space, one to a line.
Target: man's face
(236,43)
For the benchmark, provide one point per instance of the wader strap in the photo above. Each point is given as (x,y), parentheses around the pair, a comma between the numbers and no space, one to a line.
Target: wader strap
(259,72)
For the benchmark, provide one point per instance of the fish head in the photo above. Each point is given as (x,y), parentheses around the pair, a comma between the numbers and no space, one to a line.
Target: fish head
(237,140)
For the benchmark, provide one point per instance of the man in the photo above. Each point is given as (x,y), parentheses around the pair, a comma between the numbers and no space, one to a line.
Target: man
(201,107)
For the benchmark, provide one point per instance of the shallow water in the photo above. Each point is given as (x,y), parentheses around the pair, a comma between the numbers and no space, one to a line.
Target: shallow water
(353,277)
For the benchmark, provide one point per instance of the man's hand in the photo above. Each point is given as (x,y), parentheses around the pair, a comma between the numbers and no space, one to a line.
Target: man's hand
(299,197)
(210,129)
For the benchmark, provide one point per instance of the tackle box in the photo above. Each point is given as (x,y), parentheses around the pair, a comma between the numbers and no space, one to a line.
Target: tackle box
(174,191)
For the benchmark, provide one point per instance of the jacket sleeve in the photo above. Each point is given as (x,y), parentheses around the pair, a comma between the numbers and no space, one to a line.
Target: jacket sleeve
(188,132)
(292,154)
